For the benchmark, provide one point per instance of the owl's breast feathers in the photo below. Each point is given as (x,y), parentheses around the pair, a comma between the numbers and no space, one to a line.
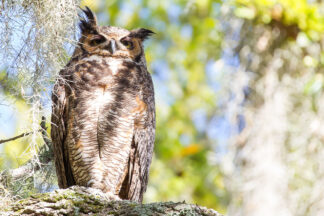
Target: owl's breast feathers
(110,102)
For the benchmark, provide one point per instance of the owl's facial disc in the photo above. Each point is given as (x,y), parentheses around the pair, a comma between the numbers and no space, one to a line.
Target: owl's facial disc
(111,41)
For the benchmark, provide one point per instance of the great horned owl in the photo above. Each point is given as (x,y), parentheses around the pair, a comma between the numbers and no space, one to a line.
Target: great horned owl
(103,113)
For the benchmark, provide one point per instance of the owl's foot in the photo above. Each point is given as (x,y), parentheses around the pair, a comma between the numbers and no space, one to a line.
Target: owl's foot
(108,195)
(95,187)
(111,196)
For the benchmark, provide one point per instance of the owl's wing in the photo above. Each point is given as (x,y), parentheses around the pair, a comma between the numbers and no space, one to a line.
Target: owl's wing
(144,141)
(142,149)
(58,134)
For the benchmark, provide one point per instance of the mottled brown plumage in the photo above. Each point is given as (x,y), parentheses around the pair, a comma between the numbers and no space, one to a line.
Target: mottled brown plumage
(103,114)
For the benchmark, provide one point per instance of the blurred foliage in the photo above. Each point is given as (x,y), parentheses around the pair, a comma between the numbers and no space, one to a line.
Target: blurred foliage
(280,50)
(307,16)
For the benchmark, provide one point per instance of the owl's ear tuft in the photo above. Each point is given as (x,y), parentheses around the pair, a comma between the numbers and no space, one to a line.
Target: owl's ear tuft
(141,33)
(88,24)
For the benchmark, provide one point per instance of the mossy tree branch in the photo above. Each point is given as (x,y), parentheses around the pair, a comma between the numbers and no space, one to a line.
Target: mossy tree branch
(86,201)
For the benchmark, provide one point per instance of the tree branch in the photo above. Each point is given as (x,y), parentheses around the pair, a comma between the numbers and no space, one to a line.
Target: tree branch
(17,137)
(43,130)
(78,200)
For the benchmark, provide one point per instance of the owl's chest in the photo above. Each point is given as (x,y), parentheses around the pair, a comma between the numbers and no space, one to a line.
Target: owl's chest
(98,72)
(99,81)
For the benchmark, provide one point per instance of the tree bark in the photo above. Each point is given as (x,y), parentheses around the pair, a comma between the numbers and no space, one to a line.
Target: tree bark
(86,201)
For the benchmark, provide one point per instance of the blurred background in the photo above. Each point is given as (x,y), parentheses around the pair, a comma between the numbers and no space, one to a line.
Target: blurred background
(239,96)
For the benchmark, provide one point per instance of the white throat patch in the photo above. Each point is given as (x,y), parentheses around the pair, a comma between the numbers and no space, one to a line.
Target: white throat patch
(114,65)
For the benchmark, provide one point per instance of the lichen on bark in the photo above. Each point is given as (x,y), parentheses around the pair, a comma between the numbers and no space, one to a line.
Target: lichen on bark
(85,201)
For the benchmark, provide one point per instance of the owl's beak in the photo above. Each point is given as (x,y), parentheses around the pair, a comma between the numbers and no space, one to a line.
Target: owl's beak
(112,46)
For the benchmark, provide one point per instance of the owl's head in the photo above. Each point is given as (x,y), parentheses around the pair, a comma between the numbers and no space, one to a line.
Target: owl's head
(111,41)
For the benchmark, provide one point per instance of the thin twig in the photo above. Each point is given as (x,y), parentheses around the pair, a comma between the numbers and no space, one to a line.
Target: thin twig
(19,136)
(43,130)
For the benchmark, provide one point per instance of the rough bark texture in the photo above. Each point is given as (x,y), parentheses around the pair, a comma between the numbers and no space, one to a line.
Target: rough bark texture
(84,201)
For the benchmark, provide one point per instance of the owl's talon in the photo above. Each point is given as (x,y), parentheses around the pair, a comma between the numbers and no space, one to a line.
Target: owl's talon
(97,192)
(111,196)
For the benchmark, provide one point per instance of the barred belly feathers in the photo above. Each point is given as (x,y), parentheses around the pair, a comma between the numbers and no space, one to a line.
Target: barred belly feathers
(103,113)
